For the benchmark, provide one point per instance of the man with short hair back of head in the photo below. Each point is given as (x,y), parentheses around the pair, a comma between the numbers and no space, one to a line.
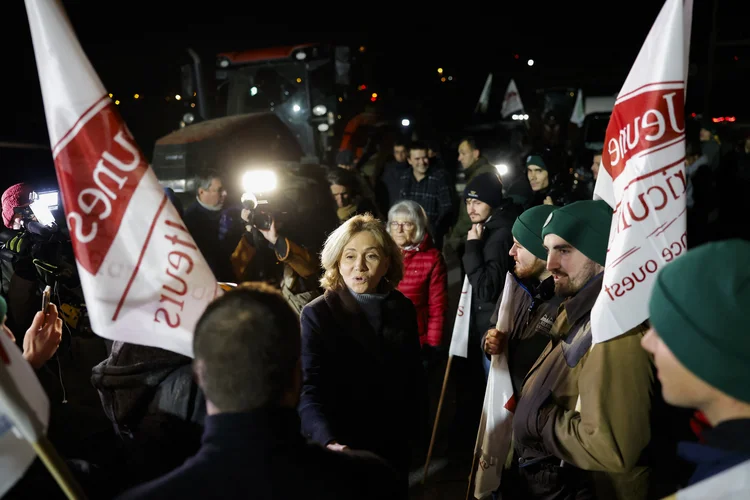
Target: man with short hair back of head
(247,362)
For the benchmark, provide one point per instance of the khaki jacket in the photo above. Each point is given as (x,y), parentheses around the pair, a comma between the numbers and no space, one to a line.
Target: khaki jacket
(589,407)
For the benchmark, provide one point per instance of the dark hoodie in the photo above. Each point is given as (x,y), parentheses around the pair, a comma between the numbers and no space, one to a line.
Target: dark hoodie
(155,405)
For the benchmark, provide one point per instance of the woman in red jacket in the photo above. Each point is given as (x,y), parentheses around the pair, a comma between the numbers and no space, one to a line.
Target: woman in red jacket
(425,279)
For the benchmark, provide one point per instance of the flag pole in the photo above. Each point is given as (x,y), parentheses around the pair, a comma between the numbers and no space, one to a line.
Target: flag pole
(46,451)
(25,420)
(472,473)
(437,418)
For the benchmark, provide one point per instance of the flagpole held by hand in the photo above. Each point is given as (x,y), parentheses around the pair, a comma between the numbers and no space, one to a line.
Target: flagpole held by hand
(18,410)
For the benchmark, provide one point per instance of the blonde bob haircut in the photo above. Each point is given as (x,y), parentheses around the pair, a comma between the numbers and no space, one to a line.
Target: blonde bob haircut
(337,241)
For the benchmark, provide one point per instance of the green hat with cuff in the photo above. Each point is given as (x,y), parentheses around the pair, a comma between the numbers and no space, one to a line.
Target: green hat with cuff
(585,225)
(536,160)
(528,229)
(699,305)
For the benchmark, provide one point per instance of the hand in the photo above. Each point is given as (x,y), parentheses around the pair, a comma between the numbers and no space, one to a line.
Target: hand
(493,342)
(334,446)
(245,215)
(270,234)
(475,233)
(548,201)
(42,338)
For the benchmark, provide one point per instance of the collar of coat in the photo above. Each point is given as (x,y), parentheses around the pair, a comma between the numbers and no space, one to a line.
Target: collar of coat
(351,318)
(582,302)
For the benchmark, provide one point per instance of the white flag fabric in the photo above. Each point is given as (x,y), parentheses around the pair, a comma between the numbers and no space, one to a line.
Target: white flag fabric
(511,101)
(643,175)
(460,339)
(579,114)
(731,484)
(496,425)
(16,453)
(484,98)
(144,279)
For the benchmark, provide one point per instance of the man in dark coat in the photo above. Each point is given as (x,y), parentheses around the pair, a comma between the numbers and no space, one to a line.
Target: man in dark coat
(247,362)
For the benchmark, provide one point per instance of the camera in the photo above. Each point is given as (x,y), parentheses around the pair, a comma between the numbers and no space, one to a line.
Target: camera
(258,217)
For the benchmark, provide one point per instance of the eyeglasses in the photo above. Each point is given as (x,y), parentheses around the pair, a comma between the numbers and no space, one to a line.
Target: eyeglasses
(403,225)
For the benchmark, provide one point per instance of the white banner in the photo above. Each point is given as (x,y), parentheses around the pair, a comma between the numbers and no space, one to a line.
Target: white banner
(143,278)
(16,453)
(643,175)
(496,425)
(484,97)
(511,101)
(579,114)
(731,484)
(460,338)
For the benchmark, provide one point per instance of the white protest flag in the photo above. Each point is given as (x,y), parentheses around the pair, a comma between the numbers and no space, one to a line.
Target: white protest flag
(730,484)
(511,101)
(460,339)
(484,98)
(20,421)
(143,278)
(496,424)
(643,174)
(578,112)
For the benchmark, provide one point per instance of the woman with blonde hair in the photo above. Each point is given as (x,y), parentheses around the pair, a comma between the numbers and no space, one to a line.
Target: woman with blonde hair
(425,280)
(363,382)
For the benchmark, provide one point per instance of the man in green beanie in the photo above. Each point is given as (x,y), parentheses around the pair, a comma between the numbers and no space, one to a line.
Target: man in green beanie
(534,301)
(42,338)
(583,418)
(701,350)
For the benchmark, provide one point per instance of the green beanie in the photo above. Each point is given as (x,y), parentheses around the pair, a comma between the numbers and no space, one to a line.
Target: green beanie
(583,224)
(536,160)
(3,309)
(698,307)
(528,229)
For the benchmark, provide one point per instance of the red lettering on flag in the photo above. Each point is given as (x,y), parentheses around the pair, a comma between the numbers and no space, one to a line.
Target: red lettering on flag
(3,354)
(511,404)
(634,132)
(99,166)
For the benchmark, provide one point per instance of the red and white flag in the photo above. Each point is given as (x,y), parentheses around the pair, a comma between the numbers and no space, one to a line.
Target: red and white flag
(643,178)
(460,338)
(511,101)
(24,413)
(144,280)
(496,425)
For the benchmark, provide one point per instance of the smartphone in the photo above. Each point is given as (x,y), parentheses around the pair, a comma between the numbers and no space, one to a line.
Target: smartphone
(45,298)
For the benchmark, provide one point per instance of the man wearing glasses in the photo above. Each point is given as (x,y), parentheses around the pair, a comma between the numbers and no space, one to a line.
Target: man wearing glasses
(202,218)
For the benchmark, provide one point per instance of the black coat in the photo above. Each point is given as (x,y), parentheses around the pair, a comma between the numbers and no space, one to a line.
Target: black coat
(360,388)
(486,262)
(261,455)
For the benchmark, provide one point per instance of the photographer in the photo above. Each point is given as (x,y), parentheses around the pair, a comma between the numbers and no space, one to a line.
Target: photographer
(546,171)
(19,280)
(264,246)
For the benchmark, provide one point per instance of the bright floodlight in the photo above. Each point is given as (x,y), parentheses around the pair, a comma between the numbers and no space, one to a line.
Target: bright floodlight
(502,168)
(259,181)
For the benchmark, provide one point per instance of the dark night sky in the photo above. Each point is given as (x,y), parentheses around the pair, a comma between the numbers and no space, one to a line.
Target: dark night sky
(576,44)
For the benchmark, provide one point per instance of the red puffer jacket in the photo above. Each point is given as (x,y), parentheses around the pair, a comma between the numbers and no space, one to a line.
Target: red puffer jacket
(426,284)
